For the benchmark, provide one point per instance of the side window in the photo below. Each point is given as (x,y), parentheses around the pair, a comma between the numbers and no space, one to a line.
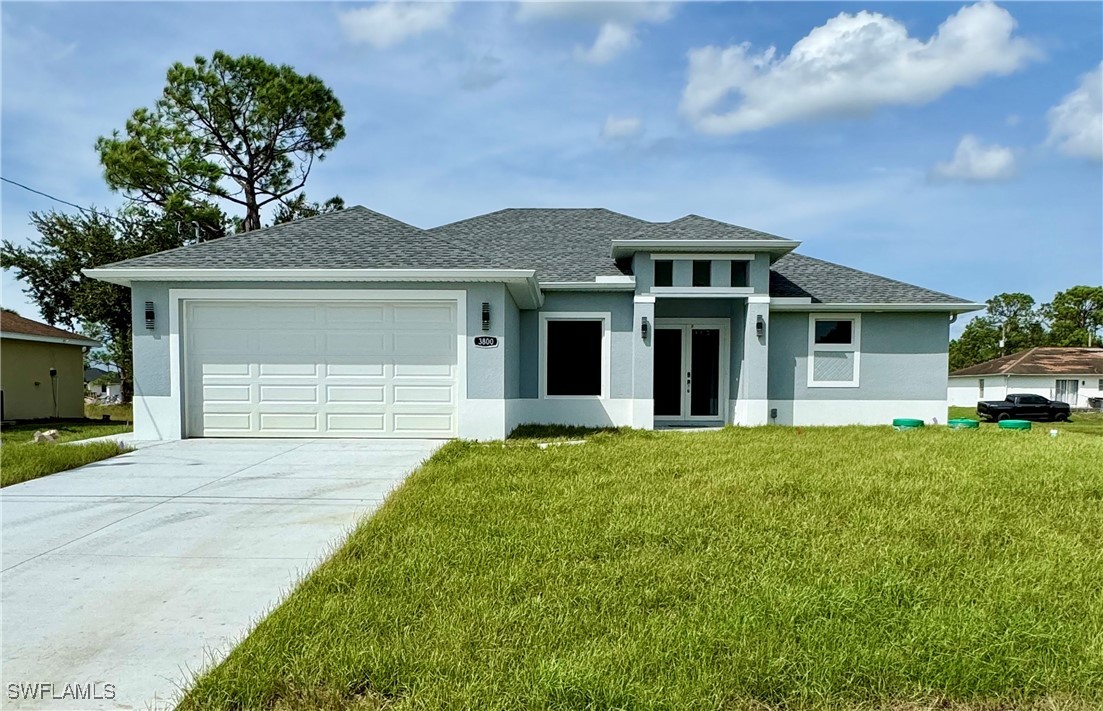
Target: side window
(702,272)
(980,387)
(739,273)
(573,358)
(834,350)
(664,272)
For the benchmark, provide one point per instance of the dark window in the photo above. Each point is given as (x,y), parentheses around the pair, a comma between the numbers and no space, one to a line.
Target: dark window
(702,273)
(834,332)
(739,273)
(573,358)
(664,273)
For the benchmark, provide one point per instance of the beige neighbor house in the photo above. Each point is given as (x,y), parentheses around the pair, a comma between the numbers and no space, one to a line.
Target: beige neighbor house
(1071,375)
(41,370)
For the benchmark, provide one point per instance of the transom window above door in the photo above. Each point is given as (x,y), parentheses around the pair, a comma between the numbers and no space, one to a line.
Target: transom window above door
(690,271)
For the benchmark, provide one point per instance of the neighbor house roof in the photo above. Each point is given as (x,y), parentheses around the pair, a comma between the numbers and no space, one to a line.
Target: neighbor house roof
(559,244)
(14,326)
(1041,361)
(91,374)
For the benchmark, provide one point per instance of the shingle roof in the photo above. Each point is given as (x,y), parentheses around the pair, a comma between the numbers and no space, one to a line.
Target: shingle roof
(561,244)
(13,323)
(796,275)
(349,239)
(696,227)
(1041,361)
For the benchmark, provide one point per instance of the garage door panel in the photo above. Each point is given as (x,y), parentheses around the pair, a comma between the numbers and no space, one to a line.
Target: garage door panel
(356,394)
(288,393)
(339,369)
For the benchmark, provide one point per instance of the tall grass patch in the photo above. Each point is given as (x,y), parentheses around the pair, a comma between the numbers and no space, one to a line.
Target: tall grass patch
(823,568)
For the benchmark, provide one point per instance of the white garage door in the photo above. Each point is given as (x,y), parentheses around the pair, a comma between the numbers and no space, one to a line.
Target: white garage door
(320,368)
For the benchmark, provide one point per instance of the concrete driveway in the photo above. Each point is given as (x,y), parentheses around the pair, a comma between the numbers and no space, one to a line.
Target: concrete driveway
(139,570)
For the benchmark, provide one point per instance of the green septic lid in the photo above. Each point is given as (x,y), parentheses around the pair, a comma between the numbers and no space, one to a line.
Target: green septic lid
(1014,425)
(963,423)
(906,423)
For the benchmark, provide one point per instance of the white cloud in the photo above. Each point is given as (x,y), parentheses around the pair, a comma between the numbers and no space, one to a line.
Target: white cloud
(616,128)
(1076,124)
(613,40)
(1013,120)
(386,24)
(848,67)
(482,72)
(976,163)
(616,21)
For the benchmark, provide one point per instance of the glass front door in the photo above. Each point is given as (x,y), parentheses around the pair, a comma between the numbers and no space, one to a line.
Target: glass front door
(687,373)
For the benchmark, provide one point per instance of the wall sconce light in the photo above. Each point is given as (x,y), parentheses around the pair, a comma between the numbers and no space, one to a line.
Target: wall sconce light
(149,316)
(760,327)
(486,315)
(645,328)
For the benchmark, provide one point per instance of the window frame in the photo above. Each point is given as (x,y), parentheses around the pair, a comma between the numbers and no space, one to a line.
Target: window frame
(980,388)
(606,342)
(855,347)
(655,273)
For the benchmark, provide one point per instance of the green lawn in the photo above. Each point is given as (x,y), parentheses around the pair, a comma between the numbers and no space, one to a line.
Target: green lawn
(21,459)
(118,413)
(766,568)
(1083,422)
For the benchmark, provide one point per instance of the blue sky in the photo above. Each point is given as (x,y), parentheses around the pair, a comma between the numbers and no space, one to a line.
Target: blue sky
(950,145)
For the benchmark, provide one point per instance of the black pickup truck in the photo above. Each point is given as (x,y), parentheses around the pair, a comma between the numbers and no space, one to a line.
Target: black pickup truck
(1023,407)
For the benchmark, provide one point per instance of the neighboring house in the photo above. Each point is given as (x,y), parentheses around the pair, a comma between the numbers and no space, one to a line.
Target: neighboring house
(353,324)
(40,369)
(1072,375)
(102,383)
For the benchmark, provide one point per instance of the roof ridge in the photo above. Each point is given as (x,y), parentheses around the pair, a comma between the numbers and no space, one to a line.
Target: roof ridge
(1026,354)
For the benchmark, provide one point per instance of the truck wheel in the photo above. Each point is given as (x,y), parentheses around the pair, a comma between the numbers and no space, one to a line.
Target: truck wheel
(1061,416)
(1003,416)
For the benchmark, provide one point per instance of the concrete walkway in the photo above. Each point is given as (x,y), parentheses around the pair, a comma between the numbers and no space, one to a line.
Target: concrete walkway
(138,570)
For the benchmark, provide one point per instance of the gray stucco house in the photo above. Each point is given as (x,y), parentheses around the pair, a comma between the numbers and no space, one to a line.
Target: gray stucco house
(354,324)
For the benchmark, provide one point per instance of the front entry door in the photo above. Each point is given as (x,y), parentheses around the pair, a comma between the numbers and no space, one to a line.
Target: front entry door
(689,373)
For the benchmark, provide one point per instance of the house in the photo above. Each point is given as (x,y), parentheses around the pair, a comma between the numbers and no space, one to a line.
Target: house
(1072,375)
(40,369)
(354,324)
(100,383)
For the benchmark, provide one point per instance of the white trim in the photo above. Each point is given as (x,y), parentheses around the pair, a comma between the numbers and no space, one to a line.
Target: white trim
(855,347)
(521,283)
(759,299)
(588,285)
(702,290)
(76,341)
(606,349)
(811,413)
(616,279)
(624,247)
(690,256)
(724,386)
(466,410)
(643,299)
(778,305)
(581,411)
(790,300)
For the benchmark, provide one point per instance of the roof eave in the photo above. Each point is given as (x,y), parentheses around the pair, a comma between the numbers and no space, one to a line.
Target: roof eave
(75,341)
(627,247)
(785,304)
(521,283)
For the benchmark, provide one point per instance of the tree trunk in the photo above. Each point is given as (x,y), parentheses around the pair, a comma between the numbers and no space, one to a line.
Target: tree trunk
(252,211)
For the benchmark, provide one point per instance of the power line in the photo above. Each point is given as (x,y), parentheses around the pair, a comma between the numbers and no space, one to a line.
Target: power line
(57,199)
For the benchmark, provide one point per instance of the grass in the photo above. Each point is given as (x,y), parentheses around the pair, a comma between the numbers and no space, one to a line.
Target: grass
(766,568)
(1081,421)
(21,459)
(23,462)
(117,413)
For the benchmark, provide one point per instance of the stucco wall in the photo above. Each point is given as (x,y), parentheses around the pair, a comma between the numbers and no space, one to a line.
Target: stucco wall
(902,371)
(24,363)
(643,268)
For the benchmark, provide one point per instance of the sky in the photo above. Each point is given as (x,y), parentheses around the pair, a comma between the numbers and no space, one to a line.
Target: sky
(956,146)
